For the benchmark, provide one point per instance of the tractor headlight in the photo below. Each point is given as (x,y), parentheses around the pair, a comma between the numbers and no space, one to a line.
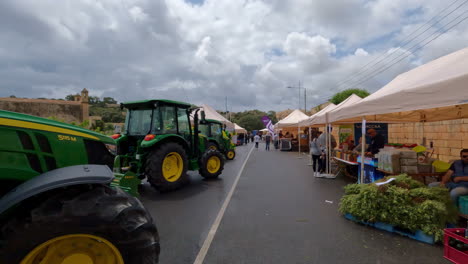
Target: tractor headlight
(112,148)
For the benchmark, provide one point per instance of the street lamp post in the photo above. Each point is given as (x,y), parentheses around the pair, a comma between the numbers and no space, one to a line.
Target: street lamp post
(305,95)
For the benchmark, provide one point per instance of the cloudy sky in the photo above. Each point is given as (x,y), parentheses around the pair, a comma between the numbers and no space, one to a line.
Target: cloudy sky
(202,51)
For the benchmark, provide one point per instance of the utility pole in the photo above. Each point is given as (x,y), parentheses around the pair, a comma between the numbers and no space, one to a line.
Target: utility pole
(299,93)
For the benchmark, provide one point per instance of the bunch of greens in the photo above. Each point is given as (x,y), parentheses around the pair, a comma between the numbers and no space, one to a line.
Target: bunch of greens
(404,202)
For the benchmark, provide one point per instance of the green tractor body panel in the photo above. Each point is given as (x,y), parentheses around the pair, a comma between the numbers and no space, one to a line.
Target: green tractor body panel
(32,145)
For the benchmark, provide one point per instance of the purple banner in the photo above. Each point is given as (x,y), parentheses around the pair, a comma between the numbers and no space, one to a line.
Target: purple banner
(268,124)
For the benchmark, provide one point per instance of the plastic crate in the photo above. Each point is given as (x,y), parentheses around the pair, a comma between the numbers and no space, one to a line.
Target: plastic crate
(463,204)
(451,253)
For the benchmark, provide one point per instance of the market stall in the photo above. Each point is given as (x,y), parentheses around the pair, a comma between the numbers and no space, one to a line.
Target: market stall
(293,137)
(240,133)
(435,91)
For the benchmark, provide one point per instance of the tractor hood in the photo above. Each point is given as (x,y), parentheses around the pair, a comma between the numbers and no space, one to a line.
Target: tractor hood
(13,119)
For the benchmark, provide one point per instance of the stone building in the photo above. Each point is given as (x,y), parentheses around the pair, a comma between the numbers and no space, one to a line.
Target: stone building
(70,111)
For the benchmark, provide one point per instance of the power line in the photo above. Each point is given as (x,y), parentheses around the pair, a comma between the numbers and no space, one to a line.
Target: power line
(401,44)
(410,52)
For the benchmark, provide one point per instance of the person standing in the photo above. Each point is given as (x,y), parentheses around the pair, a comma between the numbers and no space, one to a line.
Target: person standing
(315,154)
(256,140)
(267,141)
(322,142)
(377,143)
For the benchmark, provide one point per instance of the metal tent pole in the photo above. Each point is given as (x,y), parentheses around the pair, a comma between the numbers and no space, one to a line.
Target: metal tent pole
(363,145)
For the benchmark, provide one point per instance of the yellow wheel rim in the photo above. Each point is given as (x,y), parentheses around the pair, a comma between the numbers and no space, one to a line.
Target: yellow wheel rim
(75,249)
(213,147)
(172,167)
(213,165)
(230,154)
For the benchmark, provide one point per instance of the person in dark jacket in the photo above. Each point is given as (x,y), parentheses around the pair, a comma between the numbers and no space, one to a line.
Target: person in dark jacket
(378,142)
(456,178)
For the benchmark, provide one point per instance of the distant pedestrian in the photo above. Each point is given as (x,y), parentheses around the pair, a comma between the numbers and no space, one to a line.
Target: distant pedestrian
(256,139)
(267,141)
(247,137)
(315,154)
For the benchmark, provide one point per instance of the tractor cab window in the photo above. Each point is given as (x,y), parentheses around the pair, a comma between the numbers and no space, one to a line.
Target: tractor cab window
(204,129)
(216,129)
(168,115)
(139,122)
(183,121)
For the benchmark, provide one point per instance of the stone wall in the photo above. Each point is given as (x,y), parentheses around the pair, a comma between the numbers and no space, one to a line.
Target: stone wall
(69,111)
(448,137)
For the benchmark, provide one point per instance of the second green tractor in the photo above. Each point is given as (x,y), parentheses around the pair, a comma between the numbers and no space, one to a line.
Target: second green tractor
(218,137)
(161,144)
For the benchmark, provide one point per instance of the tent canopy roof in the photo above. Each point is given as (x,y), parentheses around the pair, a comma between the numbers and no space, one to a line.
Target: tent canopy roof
(312,119)
(239,129)
(431,92)
(210,113)
(292,119)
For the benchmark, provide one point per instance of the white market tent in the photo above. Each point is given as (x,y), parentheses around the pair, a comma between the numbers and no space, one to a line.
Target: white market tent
(210,113)
(292,120)
(317,117)
(239,129)
(434,91)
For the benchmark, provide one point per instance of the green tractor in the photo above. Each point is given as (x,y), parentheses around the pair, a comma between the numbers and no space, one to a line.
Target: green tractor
(57,204)
(160,144)
(218,137)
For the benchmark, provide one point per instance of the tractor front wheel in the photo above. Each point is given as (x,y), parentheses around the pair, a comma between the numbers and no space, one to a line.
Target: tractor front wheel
(211,145)
(211,164)
(82,224)
(166,167)
(230,154)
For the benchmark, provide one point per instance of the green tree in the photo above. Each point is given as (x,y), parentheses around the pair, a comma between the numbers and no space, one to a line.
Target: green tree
(109,100)
(70,97)
(341,96)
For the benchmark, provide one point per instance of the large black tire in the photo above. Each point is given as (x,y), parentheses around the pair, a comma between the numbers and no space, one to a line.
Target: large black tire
(154,167)
(230,154)
(210,157)
(98,210)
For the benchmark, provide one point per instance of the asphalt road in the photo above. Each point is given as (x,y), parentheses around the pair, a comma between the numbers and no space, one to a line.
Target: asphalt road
(278,214)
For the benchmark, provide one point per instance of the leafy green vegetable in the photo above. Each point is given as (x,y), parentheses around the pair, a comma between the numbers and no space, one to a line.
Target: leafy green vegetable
(404,202)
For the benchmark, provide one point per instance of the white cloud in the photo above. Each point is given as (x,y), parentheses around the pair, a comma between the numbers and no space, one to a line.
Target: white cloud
(248,50)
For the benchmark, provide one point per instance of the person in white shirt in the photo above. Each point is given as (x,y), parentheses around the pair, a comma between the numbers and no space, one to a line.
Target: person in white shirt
(256,140)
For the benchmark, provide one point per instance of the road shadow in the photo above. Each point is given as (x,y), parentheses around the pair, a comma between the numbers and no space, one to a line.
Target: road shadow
(196,185)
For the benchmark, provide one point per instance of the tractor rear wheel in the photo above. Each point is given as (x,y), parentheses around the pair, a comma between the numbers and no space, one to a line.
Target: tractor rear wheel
(166,167)
(211,164)
(230,154)
(81,224)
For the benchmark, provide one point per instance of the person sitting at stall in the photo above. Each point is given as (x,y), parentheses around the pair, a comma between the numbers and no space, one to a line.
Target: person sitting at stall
(377,142)
(456,178)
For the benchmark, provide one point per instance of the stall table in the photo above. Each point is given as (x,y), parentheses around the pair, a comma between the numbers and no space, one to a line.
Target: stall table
(421,177)
(343,165)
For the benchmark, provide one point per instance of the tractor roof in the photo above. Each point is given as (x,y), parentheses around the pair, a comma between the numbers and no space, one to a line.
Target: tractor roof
(14,119)
(150,104)
(214,121)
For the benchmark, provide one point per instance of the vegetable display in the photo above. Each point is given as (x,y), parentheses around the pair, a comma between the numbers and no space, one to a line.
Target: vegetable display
(404,202)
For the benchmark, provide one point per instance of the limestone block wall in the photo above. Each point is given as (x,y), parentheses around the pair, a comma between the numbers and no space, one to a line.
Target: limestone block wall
(68,111)
(448,137)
